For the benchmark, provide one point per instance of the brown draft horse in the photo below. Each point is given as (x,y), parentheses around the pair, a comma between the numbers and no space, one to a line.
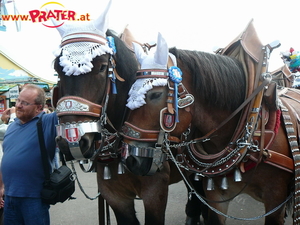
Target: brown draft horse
(235,150)
(86,108)
(146,160)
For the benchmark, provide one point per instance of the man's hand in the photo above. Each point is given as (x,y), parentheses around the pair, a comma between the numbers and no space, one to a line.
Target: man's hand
(6,114)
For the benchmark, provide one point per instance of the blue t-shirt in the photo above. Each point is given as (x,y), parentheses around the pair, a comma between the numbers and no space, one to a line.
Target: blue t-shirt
(21,166)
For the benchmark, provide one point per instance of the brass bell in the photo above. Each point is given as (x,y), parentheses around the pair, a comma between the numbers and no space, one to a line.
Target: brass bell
(210,184)
(224,183)
(196,177)
(106,173)
(121,169)
(237,175)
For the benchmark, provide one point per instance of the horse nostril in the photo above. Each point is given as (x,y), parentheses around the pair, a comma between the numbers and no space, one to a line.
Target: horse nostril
(86,145)
(64,148)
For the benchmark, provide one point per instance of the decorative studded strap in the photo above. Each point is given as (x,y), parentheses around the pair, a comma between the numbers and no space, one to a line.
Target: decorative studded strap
(73,105)
(294,145)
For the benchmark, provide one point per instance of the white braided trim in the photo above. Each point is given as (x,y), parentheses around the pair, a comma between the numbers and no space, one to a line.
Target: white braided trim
(81,35)
(77,57)
(139,89)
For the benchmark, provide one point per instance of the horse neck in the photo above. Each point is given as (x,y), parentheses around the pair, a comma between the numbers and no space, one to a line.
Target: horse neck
(206,119)
(116,109)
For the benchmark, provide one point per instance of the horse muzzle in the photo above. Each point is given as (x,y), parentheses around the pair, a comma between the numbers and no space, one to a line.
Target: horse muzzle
(142,160)
(77,139)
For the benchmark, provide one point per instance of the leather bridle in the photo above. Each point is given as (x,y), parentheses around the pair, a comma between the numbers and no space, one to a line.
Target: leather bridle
(74,105)
(131,132)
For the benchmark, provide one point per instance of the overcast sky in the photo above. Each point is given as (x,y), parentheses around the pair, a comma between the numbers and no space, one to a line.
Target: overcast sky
(189,24)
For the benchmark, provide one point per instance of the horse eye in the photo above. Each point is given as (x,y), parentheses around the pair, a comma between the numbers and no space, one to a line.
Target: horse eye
(155,95)
(103,68)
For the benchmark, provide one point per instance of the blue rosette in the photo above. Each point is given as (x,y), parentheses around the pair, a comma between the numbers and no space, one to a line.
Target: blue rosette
(175,75)
(112,45)
(295,63)
(113,83)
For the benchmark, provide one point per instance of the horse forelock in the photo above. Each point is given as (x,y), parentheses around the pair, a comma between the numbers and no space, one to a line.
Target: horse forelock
(218,80)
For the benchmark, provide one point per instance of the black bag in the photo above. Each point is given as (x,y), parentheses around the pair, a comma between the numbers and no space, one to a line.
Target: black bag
(59,185)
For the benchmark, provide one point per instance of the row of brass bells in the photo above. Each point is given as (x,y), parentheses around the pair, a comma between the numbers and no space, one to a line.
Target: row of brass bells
(211,184)
(107,173)
(224,182)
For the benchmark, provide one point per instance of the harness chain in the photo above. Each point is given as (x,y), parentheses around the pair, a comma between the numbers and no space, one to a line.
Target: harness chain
(193,191)
(292,138)
(80,186)
(219,161)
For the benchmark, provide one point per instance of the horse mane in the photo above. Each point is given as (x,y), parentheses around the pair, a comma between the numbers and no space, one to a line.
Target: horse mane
(216,78)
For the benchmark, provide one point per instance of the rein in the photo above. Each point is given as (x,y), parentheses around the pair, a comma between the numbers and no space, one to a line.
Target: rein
(209,134)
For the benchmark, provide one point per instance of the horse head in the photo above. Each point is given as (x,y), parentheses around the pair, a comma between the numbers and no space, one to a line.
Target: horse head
(89,68)
(157,108)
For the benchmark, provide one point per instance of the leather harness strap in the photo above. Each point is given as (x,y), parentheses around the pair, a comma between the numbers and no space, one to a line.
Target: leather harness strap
(275,159)
(73,105)
(255,92)
(132,132)
(294,145)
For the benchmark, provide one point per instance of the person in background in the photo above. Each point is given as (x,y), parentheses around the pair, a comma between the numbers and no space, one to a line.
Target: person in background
(22,168)
(46,109)
(7,118)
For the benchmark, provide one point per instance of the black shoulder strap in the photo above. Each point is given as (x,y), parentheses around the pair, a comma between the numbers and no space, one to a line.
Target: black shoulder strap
(44,153)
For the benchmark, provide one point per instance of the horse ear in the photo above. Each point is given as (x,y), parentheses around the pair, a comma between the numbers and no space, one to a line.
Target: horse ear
(101,23)
(162,51)
(56,23)
(139,52)
(55,96)
(60,29)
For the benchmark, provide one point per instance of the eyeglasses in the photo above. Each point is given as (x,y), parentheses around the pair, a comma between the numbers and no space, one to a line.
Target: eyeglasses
(23,103)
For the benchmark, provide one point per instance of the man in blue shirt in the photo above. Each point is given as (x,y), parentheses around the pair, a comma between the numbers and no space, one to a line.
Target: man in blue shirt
(21,167)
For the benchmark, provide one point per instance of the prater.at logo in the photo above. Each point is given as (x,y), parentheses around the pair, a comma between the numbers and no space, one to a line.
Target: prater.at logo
(55,11)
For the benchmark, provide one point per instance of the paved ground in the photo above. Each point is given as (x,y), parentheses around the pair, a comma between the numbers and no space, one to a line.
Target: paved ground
(83,211)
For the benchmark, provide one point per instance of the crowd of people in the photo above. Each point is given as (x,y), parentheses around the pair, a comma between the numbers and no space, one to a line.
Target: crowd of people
(21,173)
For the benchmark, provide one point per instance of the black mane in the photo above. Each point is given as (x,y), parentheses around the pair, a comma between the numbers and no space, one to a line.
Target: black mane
(126,63)
(218,79)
